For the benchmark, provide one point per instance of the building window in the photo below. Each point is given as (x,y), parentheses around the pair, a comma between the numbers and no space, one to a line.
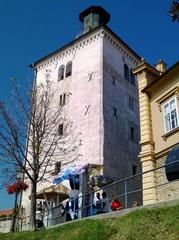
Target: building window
(170,115)
(68,69)
(60,130)
(132,133)
(113,80)
(134,169)
(57,169)
(62,99)
(61,72)
(126,71)
(132,77)
(115,112)
(131,103)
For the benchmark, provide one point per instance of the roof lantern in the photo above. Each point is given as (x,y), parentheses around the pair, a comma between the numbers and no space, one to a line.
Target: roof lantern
(93,17)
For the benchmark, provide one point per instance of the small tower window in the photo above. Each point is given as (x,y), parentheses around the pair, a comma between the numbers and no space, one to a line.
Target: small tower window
(126,71)
(113,80)
(132,133)
(61,72)
(68,69)
(115,112)
(132,77)
(62,99)
(60,130)
(57,167)
(134,169)
(131,103)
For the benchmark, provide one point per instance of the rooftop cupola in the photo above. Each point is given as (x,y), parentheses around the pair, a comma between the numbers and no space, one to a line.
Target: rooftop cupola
(93,16)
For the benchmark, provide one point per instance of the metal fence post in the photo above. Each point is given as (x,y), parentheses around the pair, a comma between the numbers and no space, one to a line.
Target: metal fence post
(91,204)
(125,193)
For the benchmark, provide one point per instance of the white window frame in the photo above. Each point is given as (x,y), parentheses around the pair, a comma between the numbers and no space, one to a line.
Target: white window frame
(177,116)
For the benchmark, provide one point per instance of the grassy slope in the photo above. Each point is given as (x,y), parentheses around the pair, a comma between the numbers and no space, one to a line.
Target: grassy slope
(145,224)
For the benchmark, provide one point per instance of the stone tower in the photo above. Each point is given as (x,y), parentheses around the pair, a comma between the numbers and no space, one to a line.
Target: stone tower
(93,77)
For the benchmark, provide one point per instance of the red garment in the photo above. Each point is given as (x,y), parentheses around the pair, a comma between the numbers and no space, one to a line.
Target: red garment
(116,205)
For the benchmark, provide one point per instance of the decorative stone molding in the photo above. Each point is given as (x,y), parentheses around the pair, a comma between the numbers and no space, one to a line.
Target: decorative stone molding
(147,156)
(119,46)
(164,152)
(146,143)
(72,50)
(165,136)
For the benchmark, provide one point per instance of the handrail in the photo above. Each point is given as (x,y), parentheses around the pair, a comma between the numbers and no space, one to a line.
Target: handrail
(124,194)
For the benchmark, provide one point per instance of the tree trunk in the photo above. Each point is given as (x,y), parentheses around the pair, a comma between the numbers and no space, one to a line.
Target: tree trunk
(13,223)
(33,206)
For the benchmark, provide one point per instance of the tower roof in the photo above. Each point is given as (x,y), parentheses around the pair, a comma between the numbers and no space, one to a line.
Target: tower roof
(95,9)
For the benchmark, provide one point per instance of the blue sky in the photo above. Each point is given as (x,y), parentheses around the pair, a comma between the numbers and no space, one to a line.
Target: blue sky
(32,29)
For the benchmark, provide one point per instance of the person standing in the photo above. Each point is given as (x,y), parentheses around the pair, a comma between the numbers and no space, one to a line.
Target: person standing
(74,194)
(98,203)
(66,212)
(105,203)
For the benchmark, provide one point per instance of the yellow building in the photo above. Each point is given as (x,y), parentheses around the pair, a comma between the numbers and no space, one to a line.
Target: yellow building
(159,126)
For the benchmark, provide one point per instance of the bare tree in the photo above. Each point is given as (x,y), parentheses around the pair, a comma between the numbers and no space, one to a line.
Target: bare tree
(174,11)
(34,136)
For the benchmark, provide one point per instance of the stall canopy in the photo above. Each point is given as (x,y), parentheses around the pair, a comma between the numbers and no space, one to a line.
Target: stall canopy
(69,172)
(51,192)
(172,171)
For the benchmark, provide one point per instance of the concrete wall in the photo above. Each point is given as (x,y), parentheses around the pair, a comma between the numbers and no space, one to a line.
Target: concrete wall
(120,152)
(83,103)
(170,190)
(82,93)
(5,226)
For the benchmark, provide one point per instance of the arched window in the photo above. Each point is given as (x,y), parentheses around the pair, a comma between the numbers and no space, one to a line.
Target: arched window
(68,69)
(132,77)
(61,72)
(126,71)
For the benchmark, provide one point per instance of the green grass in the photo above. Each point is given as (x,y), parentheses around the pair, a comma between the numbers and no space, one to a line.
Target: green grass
(144,224)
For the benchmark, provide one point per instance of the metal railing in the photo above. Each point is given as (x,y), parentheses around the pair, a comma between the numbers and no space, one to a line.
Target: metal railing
(129,192)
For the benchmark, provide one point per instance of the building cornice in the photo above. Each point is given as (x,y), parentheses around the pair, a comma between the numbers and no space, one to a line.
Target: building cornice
(143,66)
(165,151)
(125,50)
(71,48)
(162,76)
(147,156)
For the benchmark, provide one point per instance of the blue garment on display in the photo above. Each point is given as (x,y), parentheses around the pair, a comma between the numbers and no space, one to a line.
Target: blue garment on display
(69,172)
(74,182)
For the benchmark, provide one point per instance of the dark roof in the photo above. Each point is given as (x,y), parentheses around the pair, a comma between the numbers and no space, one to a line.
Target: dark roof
(81,37)
(95,9)
(161,76)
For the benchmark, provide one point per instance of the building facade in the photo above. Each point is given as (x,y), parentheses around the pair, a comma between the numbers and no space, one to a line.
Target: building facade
(159,125)
(94,82)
